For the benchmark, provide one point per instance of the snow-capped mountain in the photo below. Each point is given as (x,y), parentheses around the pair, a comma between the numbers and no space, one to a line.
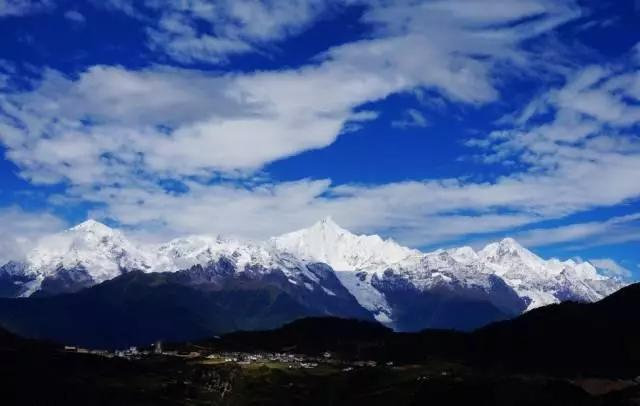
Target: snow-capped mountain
(327,242)
(504,273)
(540,282)
(91,253)
(185,253)
(349,255)
(389,280)
(82,256)
(205,259)
(325,266)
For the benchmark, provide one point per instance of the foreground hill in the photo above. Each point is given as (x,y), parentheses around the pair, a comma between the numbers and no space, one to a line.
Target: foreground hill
(568,339)
(139,309)
(80,379)
(38,373)
(542,357)
(599,337)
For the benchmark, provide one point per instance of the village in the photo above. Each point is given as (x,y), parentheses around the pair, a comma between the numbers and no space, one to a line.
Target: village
(243,359)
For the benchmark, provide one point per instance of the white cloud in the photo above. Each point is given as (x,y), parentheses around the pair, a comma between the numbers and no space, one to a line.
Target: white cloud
(232,26)
(593,101)
(113,134)
(611,267)
(204,31)
(411,118)
(251,210)
(580,134)
(75,16)
(636,53)
(20,229)
(111,123)
(416,213)
(599,172)
(616,229)
(16,8)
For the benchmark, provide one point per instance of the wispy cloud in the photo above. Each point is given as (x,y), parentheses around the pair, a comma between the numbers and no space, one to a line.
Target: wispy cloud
(611,267)
(411,118)
(75,16)
(230,26)
(20,229)
(616,229)
(111,122)
(16,8)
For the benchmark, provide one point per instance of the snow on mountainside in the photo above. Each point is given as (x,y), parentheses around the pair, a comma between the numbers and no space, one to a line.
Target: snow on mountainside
(91,253)
(90,249)
(536,281)
(380,274)
(327,242)
(542,282)
(184,253)
(346,253)
(204,251)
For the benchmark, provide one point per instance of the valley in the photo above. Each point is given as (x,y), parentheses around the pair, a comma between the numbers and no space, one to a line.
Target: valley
(205,373)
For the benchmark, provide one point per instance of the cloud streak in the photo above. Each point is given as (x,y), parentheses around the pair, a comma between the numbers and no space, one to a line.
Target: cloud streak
(163,120)
(18,8)
(616,229)
(20,230)
(232,26)
(611,267)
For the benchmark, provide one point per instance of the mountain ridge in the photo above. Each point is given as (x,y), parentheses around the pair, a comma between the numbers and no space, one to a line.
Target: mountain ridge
(398,286)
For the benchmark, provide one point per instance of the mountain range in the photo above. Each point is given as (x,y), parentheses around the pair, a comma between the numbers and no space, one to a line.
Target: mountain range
(76,283)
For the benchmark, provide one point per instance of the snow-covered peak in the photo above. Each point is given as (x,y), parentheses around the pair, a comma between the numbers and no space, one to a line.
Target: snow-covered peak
(327,242)
(541,282)
(465,255)
(184,253)
(509,257)
(100,250)
(328,225)
(508,247)
(94,227)
(12,268)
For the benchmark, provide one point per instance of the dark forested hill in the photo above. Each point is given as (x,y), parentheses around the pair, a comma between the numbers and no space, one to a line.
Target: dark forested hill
(138,309)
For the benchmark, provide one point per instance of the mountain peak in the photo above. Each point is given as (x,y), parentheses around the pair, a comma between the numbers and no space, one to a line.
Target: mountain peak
(94,226)
(506,246)
(510,242)
(508,250)
(90,250)
(327,242)
(464,255)
(327,224)
(328,220)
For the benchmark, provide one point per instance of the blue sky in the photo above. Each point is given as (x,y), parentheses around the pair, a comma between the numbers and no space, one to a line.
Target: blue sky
(436,123)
